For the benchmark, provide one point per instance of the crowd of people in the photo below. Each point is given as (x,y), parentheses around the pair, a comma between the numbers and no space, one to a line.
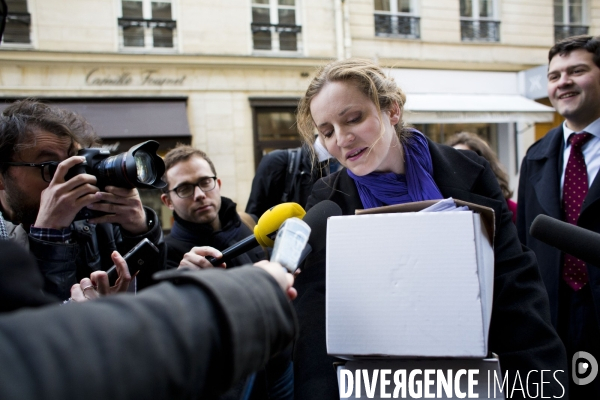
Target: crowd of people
(184,328)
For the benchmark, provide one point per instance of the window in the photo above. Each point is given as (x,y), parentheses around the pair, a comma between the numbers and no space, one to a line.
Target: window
(478,22)
(147,24)
(18,22)
(439,133)
(275,25)
(396,18)
(569,18)
(274,125)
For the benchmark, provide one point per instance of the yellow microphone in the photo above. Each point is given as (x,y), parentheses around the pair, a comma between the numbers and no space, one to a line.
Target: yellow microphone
(264,231)
(269,223)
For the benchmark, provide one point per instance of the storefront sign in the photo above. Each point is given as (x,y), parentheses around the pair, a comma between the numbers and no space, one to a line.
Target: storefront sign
(145,78)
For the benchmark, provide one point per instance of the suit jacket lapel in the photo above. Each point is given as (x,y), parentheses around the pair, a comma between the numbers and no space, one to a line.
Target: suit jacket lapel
(592,197)
(546,166)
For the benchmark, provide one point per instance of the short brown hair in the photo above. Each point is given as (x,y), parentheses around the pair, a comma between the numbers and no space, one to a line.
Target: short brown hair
(482,148)
(183,152)
(20,121)
(586,42)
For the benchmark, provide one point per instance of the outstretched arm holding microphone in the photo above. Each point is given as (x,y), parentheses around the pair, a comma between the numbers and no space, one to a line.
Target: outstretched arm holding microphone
(185,337)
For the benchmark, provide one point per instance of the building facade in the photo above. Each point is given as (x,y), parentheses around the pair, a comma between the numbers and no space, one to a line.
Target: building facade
(226,75)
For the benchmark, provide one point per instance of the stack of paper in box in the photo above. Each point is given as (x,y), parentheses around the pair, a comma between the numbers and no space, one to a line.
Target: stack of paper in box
(410,285)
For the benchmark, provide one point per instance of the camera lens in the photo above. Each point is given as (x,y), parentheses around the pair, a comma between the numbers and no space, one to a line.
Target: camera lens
(146,173)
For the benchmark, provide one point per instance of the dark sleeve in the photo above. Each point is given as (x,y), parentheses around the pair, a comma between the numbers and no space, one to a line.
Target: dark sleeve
(268,183)
(521,332)
(314,373)
(58,264)
(521,221)
(191,340)
(21,283)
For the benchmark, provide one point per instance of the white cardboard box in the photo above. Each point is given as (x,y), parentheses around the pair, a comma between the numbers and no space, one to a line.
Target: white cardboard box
(409,284)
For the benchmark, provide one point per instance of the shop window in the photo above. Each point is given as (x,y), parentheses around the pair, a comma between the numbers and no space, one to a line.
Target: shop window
(439,133)
(478,21)
(147,24)
(18,22)
(569,18)
(397,18)
(274,125)
(275,25)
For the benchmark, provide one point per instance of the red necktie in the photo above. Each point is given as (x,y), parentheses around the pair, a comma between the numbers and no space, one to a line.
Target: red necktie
(574,191)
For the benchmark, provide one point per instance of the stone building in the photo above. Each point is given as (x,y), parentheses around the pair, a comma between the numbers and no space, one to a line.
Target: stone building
(226,75)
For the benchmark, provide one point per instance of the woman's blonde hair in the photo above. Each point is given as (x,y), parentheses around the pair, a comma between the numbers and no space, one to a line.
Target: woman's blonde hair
(481,147)
(368,77)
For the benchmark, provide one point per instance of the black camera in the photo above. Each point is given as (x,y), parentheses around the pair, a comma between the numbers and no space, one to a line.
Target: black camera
(139,167)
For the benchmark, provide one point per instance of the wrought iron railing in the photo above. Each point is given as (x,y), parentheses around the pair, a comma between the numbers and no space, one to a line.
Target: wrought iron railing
(479,30)
(17,28)
(258,27)
(288,39)
(397,25)
(133,31)
(564,31)
(150,23)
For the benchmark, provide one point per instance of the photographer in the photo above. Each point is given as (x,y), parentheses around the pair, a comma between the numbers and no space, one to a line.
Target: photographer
(38,144)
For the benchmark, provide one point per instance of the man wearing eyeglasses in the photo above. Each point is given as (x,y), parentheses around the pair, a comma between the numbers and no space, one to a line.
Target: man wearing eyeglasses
(38,144)
(202,216)
(206,222)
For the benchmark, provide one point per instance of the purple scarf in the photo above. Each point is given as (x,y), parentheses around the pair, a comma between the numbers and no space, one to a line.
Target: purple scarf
(386,188)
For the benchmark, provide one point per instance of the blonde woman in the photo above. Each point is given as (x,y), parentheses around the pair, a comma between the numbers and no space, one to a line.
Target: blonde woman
(357,111)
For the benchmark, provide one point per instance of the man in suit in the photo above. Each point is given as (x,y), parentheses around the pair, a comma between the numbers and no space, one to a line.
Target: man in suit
(567,154)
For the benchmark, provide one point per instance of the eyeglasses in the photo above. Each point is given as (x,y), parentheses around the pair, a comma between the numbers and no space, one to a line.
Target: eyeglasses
(186,190)
(48,168)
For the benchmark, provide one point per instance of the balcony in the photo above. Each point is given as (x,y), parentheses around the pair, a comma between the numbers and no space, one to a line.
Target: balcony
(403,26)
(17,28)
(564,31)
(478,30)
(134,34)
(286,36)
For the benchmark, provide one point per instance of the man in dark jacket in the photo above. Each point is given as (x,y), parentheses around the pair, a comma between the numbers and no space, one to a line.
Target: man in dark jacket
(574,91)
(189,339)
(202,216)
(38,144)
(288,175)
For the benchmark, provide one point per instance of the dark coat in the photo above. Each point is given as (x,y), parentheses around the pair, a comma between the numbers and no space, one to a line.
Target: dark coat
(189,340)
(65,264)
(21,282)
(539,193)
(273,173)
(520,332)
(192,234)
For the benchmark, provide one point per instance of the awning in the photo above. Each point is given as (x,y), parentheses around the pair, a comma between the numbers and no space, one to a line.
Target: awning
(118,119)
(471,108)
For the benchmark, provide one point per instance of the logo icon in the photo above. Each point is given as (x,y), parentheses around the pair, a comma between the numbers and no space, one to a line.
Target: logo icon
(584,368)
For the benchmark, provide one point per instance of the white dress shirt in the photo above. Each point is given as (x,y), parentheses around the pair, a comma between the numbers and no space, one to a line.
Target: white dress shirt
(591,152)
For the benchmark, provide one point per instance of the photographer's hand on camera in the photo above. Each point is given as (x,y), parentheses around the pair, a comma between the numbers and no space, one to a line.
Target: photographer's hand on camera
(123,207)
(62,200)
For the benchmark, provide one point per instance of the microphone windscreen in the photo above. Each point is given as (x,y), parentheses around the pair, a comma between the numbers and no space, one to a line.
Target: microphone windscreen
(268,224)
(579,242)
(316,218)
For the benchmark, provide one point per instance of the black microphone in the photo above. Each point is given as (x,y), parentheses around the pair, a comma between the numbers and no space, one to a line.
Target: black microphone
(264,231)
(571,239)
(316,218)
(291,247)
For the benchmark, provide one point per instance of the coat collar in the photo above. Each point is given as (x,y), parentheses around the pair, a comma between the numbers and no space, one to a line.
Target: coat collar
(544,169)
(455,173)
